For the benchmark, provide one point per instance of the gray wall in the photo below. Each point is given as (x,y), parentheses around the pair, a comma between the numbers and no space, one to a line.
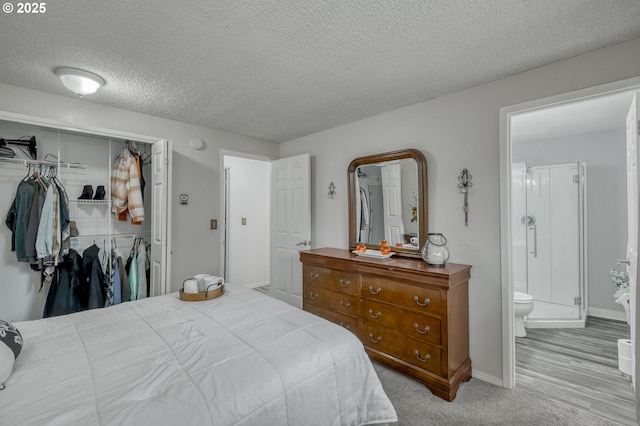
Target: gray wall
(455,131)
(605,155)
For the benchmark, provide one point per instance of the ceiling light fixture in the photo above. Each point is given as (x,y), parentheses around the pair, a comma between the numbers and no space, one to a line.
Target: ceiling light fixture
(78,81)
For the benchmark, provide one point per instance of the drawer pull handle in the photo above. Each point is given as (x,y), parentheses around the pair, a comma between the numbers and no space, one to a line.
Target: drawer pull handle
(345,306)
(348,327)
(314,276)
(425,331)
(376,316)
(426,301)
(313,295)
(426,358)
(344,283)
(375,340)
(378,290)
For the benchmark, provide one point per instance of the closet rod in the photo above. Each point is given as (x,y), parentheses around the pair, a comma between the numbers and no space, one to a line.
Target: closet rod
(39,162)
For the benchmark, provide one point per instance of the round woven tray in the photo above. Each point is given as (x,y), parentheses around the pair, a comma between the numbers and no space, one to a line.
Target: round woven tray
(203,295)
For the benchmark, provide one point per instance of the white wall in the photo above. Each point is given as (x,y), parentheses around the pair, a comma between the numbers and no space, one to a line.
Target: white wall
(195,246)
(250,192)
(606,209)
(455,131)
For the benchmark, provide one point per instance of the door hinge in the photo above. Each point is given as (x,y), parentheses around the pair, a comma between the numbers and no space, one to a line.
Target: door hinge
(576,179)
(638,127)
(577,300)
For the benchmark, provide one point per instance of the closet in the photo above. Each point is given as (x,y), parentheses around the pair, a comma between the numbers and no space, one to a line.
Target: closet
(83,163)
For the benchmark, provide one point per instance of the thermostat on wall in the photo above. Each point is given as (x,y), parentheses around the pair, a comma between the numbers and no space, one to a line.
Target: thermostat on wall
(184,199)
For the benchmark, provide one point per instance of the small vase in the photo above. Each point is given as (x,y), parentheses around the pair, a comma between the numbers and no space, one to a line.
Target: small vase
(435,251)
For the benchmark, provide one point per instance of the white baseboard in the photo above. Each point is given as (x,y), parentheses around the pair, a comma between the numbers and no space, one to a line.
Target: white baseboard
(607,314)
(486,377)
(254,285)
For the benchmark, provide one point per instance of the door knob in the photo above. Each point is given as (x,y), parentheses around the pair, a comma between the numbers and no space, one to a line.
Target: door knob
(304,243)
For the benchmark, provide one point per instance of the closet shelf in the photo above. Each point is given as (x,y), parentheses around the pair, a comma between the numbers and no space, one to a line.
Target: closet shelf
(98,202)
(105,234)
(46,163)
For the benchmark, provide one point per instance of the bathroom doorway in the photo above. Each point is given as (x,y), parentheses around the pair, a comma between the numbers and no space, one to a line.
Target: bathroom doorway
(578,137)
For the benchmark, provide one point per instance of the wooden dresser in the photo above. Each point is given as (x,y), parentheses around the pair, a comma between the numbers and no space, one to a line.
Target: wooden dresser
(410,316)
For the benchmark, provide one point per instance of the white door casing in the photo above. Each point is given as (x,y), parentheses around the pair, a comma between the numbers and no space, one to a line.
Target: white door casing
(633,128)
(290,225)
(160,217)
(392,204)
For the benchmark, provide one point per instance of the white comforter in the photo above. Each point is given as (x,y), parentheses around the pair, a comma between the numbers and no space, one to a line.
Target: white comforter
(243,358)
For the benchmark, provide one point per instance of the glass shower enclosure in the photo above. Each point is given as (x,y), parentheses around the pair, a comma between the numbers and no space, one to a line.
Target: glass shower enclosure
(548,242)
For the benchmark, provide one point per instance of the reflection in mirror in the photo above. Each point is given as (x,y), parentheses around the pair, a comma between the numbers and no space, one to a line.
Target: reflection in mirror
(388,201)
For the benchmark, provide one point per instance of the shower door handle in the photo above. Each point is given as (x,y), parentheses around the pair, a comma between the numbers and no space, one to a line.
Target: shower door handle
(530,222)
(625,261)
(534,228)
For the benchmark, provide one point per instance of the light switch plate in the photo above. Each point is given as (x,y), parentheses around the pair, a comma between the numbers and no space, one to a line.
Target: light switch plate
(244,220)
(214,223)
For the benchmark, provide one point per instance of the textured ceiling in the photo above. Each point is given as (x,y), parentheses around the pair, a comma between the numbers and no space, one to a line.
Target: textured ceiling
(281,69)
(595,114)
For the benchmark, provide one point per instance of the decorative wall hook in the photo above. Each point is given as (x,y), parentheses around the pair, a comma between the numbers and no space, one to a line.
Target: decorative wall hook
(332,191)
(464,183)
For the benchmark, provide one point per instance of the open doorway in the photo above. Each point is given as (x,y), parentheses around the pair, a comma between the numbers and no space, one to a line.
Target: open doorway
(246,219)
(584,131)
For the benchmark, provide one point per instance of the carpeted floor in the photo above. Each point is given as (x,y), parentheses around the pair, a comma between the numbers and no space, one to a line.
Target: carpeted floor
(477,403)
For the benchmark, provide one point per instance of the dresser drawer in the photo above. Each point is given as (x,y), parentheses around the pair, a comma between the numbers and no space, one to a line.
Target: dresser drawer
(333,279)
(420,354)
(421,327)
(332,300)
(414,297)
(350,323)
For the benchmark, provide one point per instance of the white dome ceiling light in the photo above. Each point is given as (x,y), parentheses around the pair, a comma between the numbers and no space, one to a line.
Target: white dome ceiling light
(78,81)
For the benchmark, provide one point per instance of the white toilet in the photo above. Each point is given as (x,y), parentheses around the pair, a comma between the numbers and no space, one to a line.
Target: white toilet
(522,306)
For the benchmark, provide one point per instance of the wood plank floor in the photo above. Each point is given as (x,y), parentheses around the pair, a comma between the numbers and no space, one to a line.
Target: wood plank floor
(578,367)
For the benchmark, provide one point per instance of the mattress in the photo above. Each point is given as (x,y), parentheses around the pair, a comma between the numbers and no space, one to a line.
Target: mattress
(242,359)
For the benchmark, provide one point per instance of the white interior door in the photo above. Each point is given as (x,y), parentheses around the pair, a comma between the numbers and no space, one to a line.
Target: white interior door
(633,128)
(290,225)
(392,200)
(160,217)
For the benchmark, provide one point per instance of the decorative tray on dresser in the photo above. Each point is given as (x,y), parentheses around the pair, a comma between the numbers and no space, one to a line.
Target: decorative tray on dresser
(410,316)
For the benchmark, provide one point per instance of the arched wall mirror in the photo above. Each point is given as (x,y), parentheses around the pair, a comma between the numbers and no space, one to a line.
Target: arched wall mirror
(388,200)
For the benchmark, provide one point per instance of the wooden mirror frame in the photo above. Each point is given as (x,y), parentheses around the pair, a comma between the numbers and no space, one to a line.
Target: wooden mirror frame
(423,224)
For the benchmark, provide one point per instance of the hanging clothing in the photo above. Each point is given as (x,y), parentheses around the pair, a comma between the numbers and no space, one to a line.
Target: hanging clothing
(44,238)
(18,218)
(124,281)
(94,277)
(125,187)
(133,275)
(143,265)
(115,272)
(138,166)
(67,292)
(34,221)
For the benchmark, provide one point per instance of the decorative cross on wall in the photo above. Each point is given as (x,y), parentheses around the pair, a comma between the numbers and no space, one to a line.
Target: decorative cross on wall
(464,183)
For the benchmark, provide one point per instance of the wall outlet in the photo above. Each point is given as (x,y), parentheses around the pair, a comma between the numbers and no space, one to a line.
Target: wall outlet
(214,223)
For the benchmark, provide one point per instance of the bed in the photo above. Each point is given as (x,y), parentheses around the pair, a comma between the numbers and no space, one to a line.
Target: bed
(242,359)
